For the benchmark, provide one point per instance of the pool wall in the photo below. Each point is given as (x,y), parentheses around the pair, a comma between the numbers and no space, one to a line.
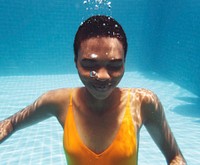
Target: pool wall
(37,37)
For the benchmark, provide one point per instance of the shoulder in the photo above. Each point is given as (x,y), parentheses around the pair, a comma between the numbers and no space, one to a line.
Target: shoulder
(58,92)
(149,105)
(57,102)
(151,108)
(55,97)
(142,95)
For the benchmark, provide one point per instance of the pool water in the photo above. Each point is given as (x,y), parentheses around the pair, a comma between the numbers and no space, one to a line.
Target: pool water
(42,143)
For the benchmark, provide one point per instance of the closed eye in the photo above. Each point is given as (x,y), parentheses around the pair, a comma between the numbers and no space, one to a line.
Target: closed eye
(88,63)
(115,64)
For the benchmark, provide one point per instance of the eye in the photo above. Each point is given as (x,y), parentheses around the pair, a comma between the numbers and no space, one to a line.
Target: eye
(88,64)
(115,65)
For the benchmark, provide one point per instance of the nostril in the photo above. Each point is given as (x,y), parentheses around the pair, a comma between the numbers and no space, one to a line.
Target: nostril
(103,77)
(103,74)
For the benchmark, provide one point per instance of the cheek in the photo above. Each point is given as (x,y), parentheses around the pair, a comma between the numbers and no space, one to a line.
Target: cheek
(83,76)
(82,72)
(118,74)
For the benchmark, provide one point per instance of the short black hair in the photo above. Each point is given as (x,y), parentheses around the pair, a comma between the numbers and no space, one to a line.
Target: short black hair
(99,26)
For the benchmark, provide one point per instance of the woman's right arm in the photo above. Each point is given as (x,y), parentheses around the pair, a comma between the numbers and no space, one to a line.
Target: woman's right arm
(43,108)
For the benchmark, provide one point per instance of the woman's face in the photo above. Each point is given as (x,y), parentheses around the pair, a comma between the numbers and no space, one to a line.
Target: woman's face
(105,56)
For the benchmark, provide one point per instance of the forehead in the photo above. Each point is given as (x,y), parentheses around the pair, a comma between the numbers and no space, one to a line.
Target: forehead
(100,47)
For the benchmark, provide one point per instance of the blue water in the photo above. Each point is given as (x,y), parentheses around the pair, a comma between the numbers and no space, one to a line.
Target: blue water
(36,55)
(163,36)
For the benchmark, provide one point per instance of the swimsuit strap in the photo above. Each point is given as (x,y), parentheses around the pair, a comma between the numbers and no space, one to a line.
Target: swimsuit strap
(70,99)
(128,99)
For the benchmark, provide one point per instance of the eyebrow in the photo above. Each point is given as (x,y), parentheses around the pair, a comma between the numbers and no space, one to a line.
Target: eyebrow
(87,59)
(94,60)
(116,60)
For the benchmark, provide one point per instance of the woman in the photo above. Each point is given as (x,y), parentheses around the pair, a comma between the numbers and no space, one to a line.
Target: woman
(101,122)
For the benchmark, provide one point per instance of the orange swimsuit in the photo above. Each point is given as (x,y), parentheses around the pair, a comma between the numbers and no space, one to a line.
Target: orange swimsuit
(122,151)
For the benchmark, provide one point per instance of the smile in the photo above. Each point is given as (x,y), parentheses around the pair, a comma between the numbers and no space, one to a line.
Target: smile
(102,88)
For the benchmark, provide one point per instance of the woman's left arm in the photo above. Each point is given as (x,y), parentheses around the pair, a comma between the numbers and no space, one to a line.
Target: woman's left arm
(155,122)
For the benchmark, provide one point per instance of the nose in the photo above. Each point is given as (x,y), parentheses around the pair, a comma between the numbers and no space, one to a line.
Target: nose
(103,74)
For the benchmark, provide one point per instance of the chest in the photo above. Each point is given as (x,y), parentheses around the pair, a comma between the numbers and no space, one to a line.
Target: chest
(97,132)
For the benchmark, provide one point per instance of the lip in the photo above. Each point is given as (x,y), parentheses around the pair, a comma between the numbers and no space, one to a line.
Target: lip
(102,87)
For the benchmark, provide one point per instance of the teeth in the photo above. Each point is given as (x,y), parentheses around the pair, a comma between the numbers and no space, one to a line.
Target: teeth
(101,87)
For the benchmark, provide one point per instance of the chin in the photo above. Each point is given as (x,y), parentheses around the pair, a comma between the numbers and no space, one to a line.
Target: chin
(100,95)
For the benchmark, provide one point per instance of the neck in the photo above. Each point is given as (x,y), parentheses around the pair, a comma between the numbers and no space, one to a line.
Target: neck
(101,105)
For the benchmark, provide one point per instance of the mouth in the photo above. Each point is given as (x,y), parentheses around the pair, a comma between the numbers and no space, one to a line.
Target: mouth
(102,88)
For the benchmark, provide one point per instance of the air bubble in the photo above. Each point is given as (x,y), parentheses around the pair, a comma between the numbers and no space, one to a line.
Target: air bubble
(96,7)
(109,5)
(99,1)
